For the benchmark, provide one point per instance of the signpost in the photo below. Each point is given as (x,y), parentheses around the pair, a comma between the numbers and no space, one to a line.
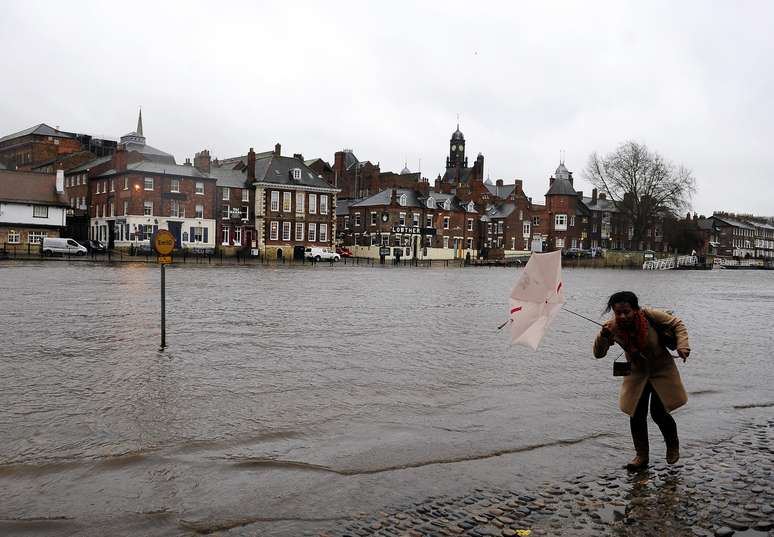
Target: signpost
(163,243)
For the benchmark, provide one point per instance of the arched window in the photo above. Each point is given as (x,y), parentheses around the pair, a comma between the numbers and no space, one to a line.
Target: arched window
(471,207)
(431,203)
(403,200)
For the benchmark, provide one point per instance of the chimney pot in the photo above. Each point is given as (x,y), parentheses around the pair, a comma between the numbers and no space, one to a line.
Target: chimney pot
(499,182)
(277,149)
(251,165)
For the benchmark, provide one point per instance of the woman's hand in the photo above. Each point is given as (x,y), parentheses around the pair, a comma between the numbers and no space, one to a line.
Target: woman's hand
(683,353)
(607,332)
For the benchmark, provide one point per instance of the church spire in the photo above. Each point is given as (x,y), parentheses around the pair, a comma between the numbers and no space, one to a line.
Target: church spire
(139,124)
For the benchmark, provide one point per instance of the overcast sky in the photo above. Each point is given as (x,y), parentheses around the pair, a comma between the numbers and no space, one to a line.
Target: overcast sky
(388,79)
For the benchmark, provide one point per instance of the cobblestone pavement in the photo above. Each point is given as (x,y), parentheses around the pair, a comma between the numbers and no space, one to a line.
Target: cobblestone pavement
(718,490)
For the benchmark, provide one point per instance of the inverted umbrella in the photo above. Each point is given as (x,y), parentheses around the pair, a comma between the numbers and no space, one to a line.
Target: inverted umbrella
(536,298)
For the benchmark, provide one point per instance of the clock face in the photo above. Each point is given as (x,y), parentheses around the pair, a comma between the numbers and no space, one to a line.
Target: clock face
(385,217)
(454,148)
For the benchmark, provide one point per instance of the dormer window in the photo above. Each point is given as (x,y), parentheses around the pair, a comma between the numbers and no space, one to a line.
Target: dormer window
(471,207)
(431,203)
(403,200)
(447,205)
(296,174)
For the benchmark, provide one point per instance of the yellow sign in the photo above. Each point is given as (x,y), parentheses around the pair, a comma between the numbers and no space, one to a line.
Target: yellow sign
(163,242)
(165,259)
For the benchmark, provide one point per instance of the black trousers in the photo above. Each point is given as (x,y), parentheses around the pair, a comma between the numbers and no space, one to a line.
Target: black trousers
(639,422)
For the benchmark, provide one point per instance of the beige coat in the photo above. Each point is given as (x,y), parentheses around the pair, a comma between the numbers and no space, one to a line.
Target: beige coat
(659,368)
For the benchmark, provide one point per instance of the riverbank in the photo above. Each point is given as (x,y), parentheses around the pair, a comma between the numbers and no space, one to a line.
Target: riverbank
(716,490)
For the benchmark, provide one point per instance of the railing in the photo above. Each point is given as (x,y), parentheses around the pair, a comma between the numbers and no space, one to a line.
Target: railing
(668,263)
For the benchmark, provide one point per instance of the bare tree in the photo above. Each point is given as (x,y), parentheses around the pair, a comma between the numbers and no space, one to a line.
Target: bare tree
(642,185)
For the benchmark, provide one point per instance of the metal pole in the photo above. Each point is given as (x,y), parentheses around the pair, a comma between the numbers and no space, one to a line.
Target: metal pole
(163,316)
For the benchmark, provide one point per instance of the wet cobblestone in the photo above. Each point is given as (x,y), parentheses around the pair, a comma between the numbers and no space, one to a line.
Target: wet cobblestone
(715,490)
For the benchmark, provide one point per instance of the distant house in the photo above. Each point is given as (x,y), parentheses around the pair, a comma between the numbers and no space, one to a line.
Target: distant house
(32,207)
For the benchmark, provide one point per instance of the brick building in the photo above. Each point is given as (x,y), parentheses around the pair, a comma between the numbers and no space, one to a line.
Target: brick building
(29,148)
(32,206)
(507,225)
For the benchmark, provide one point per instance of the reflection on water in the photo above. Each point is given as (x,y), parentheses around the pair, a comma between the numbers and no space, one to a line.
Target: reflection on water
(322,371)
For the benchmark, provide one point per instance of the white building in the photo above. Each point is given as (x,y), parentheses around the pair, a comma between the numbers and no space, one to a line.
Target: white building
(32,206)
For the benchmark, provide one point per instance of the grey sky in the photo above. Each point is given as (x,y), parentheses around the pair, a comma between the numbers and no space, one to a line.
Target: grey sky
(691,80)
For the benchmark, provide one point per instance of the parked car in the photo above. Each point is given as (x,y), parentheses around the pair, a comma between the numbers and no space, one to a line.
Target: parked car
(95,246)
(575,252)
(64,246)
(321,254)
(343,251)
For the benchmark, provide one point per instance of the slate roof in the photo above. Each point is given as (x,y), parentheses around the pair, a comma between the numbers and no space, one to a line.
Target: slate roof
(28,187)
(151,166)
(733,221)
(502,210)
(561,187)
(225,176)
(385,196)
(150,153)
(343,205)
(88,165)
(600,205)
(450,176)
(276,170)
(500,191)
(42,130)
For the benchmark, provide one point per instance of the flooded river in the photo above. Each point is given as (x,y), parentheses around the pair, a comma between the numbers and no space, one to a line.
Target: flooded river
(290,398)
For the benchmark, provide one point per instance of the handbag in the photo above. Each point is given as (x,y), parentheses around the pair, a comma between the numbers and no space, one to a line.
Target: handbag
(621,369)
(666,336)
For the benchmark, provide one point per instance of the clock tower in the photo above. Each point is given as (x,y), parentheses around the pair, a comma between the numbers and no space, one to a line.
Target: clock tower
(457,150)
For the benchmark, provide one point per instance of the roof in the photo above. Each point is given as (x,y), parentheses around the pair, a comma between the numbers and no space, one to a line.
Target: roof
(733,221)
(600,205)
(226,176)
(450,176)
(159,167)
(88,165)
(503,210)
(500,191)
(561,187)
(343,205)
(457,135)
(385,197)
(28,187)
(277,169)
(41,130)
(150,153)
(349,159)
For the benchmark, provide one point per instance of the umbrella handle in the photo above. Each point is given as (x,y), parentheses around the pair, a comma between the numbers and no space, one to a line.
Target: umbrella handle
(506,322)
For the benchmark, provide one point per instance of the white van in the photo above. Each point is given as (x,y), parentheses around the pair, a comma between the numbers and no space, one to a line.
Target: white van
(62,246)
(321,254)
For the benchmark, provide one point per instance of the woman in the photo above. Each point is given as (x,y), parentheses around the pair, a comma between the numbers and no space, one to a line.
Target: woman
(654,374)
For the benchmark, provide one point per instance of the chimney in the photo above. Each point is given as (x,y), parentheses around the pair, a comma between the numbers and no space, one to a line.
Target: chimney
(277,150)
(119,160)
(60,181)
(298,156)
(594,196)
(187,162)
(202,161)
(394,197)
(499,182)
(519,186)
(338,163)
(580,195)
(251,165)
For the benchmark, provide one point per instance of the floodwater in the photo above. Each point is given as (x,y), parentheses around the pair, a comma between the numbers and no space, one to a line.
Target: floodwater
(292,397)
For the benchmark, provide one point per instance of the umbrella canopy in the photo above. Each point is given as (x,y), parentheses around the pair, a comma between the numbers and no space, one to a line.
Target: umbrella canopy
(536,298)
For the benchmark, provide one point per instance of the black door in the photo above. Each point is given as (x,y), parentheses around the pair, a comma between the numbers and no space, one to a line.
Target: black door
(175,228)
(111,234)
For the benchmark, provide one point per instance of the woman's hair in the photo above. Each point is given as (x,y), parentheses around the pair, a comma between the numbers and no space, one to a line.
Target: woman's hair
(626,297)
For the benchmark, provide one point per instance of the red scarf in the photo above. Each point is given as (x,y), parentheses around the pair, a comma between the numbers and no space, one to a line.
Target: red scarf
(634,341)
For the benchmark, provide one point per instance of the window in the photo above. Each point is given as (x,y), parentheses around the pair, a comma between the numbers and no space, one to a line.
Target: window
(346,222)
(126,207)
(429,221)
(112,186)
(112,209)
(238,236)
(385,240)
(286,201)
(415,219)
(226,191)
(446,242)
(199,211)
(560,243)
(431,203)
(299,231)
(403,200)
(323,204)
(14,237)
(574,243)
(174,208)
(245,195)
(274,231)
(470,224)
(323,232)
(104,186)
(297,174)
(149,183)
(447,205)
(200,188)
(560,222)
(244,212)
(373,218)
(148,208)
(300,203)
(40,211)
(525,229)
(274,201)
(470,243)
(225,234)
(500,227)
(402,219)
(36,237)
(198,234)
(285,231)
(535,220)
(312,203)
(174,185)
(357,219)
(126,183)
(572,221)
(446,222)
(312,232)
